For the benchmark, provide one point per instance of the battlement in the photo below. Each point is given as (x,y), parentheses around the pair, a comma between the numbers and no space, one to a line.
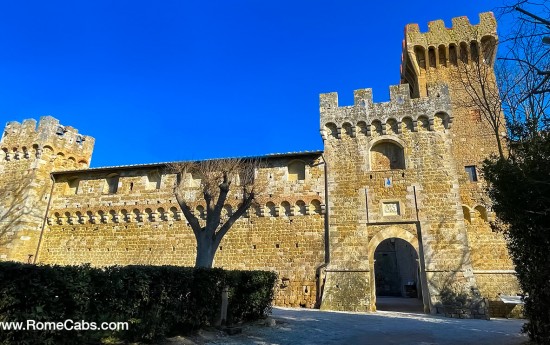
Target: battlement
(461,30)
(18,139)
(383,118)
(440,48)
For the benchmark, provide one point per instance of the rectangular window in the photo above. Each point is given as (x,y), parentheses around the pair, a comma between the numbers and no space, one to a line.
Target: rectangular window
(471,171)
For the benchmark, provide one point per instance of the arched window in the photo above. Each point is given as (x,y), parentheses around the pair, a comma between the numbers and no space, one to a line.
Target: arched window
(474,51)
(362,127)
(376,128)
(431,56)
(442,55)
(391,126)
(423,123)
(407,124)
(331,130)
(420,56)
(488,49)
(441,121)
(453,56)
(347,129)
(316,207)
(387,155)
(296,171)
(464,52)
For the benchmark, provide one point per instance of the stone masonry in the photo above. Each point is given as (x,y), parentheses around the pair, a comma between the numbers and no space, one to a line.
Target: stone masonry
(403,169)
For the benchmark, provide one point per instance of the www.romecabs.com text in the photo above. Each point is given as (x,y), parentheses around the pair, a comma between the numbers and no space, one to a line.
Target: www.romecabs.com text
(67,325)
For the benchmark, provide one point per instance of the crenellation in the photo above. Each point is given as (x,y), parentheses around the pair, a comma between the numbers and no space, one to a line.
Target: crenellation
(461,30)
(361,116)
(362,98)
(29,140)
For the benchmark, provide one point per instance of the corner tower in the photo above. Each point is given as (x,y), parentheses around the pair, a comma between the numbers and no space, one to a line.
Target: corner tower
(28,154)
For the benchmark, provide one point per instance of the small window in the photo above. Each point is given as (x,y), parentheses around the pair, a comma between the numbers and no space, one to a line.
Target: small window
(72,186)
(296,171)
(471,171)
(153,180)
(111,184)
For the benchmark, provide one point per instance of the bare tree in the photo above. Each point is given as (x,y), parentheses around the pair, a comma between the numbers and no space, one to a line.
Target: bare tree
(524,66)
(217,182)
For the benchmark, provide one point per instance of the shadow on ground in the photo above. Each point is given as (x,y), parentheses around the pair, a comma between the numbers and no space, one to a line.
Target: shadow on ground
(307,326)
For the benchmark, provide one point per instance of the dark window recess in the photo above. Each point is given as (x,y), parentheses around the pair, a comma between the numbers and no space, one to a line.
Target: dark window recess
(60,130)
(471,171)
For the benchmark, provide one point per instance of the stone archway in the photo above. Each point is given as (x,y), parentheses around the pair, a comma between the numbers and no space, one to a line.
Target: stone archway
(396,245)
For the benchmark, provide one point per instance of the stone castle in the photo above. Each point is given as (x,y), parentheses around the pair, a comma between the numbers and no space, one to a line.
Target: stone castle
(393,205)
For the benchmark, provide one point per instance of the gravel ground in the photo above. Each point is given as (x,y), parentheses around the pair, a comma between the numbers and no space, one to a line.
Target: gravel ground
(307,326)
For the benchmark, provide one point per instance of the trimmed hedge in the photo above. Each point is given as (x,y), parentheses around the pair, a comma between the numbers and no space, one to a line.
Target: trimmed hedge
(157,301)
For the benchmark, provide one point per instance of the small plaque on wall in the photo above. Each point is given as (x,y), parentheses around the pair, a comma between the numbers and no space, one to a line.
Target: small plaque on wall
(391,208)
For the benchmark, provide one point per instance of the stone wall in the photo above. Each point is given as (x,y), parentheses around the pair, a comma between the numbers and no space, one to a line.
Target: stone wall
(141,223)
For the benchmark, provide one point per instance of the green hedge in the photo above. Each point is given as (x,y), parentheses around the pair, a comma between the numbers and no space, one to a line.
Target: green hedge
(157,301)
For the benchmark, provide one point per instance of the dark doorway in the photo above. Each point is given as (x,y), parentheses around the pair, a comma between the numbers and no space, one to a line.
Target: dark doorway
(396,275)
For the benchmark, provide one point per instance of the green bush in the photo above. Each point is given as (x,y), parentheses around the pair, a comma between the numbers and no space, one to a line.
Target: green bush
(248,297)
(157,301)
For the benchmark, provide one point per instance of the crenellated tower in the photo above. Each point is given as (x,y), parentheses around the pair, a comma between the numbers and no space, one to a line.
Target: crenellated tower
(452,56)
(28,154)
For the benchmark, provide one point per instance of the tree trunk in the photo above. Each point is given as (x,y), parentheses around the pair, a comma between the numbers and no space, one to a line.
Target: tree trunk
(206,250)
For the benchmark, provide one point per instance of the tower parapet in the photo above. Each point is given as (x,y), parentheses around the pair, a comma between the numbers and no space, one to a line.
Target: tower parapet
(432,52)
(364,114)
(26,139)
(461,30)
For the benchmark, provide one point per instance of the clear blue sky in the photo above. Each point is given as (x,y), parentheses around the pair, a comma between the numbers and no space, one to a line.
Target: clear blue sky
(160,81)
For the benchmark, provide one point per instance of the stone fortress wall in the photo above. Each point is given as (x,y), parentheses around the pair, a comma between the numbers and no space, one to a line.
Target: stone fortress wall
(129,215)
(394,170)
(28,154)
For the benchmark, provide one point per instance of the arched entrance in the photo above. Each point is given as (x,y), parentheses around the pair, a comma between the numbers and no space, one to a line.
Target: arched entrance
(397,279)
(397,276)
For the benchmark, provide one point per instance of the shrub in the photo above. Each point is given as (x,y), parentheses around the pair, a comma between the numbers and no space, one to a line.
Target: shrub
(156,300)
